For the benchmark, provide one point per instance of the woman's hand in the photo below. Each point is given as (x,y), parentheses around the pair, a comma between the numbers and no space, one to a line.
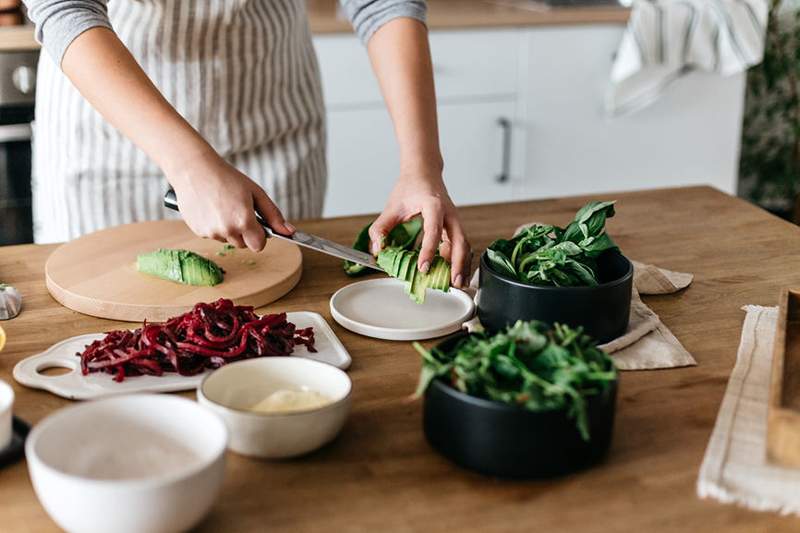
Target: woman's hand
(412,196)
(219,202)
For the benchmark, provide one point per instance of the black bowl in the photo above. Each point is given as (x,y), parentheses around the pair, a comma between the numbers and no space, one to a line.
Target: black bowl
(501,440)
(603,310)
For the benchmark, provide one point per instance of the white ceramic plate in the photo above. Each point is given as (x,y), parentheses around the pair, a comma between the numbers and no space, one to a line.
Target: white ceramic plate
(75,386)
(380,308)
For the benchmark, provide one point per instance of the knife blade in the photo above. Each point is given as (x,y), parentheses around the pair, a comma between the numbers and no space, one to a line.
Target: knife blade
(301,238)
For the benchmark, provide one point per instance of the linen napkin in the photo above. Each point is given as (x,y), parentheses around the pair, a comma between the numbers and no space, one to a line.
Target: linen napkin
(647,344)
(735,467)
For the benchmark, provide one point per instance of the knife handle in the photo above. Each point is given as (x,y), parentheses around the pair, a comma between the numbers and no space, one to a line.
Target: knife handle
(171,201)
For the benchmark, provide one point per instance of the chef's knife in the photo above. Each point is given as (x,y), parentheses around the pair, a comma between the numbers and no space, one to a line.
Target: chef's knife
(303,239)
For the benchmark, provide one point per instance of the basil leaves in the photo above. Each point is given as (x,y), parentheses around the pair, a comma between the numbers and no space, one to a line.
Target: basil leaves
(528,365)
(549,255)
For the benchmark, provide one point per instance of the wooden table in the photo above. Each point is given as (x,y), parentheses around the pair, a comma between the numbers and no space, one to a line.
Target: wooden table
(380,474)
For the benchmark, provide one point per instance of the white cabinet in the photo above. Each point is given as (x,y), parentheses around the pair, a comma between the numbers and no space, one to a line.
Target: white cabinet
(688,136)
(363,161)
(549,84)
(477,86)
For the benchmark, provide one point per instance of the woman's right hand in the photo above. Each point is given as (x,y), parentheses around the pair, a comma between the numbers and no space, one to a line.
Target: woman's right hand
(219,202)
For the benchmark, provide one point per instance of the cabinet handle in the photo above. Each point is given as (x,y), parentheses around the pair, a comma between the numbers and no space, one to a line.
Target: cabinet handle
(15,133)
(505,169)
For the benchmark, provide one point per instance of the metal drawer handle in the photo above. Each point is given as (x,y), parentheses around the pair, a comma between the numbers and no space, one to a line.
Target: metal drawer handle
(505,172)
(15,133)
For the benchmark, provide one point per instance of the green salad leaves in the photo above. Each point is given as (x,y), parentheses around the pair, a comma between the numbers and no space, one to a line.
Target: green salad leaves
(549,255)
(528,365)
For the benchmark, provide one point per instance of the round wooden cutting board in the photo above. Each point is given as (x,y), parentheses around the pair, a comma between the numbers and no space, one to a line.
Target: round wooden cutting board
(96,274)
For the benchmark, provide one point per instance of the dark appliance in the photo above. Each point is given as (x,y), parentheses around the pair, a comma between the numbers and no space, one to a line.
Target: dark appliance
(17,88)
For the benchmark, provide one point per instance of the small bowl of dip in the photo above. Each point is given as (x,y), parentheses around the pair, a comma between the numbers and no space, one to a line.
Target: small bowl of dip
(278,407)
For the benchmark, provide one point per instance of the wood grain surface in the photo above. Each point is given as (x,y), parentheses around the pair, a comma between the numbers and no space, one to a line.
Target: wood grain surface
(96,274)
(381,475)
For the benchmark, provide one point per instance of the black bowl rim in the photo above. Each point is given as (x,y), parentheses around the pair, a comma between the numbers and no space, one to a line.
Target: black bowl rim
(490,404)
(608,284)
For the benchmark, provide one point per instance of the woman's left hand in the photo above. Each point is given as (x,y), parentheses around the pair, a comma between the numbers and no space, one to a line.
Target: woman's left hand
(414,195)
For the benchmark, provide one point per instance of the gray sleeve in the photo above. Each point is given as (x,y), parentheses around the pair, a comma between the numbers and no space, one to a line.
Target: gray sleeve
(367,16)
(59,22)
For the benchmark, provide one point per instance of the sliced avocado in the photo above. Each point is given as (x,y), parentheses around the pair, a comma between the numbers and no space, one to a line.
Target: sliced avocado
(181,266)
(403,236)
(405,267)
(402,264)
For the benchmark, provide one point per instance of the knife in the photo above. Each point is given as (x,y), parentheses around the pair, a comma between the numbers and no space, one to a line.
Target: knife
(303,239)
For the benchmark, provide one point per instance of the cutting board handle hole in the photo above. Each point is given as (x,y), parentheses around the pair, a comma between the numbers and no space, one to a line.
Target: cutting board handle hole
(52,370)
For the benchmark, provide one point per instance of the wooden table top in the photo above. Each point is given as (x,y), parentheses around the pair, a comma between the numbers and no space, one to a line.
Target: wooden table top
(381,475)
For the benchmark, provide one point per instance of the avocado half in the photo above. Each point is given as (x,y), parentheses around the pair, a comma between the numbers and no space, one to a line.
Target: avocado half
(181,266)
(402,264)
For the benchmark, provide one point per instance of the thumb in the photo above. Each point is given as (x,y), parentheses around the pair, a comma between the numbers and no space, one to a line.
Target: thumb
(270,212)
(381,228)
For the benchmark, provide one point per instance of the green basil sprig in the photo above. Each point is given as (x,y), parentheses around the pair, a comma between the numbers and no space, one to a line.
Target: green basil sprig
(549,255)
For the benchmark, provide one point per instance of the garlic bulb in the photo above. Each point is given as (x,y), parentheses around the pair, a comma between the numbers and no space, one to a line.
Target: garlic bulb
(10,302)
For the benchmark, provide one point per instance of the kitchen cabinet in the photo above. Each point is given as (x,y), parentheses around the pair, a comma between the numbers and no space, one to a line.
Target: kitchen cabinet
(688,136)
(363,160)
(528,103)
(477,75)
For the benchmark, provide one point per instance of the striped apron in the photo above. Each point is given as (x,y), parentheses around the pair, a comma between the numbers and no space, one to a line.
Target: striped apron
(242,72)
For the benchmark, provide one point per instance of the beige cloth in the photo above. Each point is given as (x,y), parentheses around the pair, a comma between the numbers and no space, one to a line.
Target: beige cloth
(735,468)
(648,344)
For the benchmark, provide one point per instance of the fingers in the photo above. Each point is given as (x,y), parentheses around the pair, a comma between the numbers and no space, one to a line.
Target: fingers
(460,254)
(234,239)
(381,228)
(270,212)
(432,213)
(254,236)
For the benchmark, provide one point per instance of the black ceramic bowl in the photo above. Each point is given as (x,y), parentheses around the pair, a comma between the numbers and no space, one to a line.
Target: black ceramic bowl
(603,310)
(506,441)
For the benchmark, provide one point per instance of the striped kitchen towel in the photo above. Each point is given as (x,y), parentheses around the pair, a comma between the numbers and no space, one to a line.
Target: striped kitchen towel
(666,39)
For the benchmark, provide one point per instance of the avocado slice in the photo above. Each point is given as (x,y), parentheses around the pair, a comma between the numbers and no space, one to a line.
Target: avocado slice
(402,236)
(402,264)
(181,266)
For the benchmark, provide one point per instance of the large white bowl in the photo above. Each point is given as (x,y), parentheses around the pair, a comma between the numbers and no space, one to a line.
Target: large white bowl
(85,460)
(232,389)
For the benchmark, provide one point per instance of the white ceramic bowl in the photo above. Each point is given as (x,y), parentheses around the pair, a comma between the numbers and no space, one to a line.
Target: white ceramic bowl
(232,389)
(140,463)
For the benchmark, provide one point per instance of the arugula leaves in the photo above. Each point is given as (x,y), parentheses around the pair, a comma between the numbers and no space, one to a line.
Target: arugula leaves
(403,236)
(549,255)
(527,365)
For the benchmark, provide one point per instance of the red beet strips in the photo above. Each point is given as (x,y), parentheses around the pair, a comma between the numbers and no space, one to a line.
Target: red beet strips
(208,336)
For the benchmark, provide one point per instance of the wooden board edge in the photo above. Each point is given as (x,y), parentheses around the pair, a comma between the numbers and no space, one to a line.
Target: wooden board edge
(783,424)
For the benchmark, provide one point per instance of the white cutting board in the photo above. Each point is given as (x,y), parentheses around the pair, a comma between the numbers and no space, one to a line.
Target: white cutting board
(74,385)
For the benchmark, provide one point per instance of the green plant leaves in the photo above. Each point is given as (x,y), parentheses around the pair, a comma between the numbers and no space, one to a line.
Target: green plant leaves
(549,255)
(528,365)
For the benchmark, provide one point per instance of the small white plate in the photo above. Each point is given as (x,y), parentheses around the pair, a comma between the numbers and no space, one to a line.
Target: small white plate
(380,308)
(75,386)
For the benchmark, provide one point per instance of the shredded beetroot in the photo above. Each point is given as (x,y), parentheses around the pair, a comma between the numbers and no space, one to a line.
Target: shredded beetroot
(208,336)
